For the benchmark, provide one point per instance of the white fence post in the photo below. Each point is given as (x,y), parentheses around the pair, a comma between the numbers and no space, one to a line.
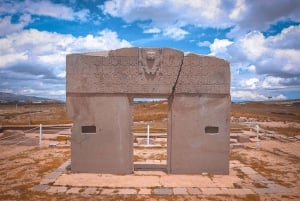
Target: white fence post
(40,137)
(148,134)
(257,136)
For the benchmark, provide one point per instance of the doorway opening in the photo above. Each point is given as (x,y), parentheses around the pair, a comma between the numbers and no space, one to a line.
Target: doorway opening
(150,134)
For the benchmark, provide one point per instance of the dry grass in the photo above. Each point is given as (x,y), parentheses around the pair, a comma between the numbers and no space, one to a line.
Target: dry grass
(287,131)
(151,111)
(33,114)
(25,169)
(268,111)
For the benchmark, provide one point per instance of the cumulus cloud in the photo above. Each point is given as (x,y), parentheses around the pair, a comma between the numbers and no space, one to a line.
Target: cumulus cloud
(242,15)
(254,96)
(152,30)
(174,14)
(43,8)
(249,83)
(175,33)
(37,58)
(262,63)
(275,58)
(7,27)
(219,47)
(204,44)
(258,15)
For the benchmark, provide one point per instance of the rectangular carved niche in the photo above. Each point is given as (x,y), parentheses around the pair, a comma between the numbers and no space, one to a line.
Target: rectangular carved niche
(88,129)
(211,130)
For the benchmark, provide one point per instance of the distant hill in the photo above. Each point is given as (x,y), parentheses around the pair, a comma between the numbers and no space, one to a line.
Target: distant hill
(9,97)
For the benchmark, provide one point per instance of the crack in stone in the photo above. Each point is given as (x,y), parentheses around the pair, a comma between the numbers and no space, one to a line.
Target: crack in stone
(177,78)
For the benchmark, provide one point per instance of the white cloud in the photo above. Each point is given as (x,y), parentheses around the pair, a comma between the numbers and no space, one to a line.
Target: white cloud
(199,11)
(175,14)
(7,27)
(238,10)
(219,47)
(264,55)
(252,68)
(254,96)
(287,39)
(252,45)
(44,8)
(37,58)
(258,15)
(12,57)
(272,82)
(243,15)
(152,30)
(175,33)
(249,83)
(50,47)
(204,44)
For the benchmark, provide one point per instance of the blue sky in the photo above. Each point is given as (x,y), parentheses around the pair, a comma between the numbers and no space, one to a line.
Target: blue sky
(259,38)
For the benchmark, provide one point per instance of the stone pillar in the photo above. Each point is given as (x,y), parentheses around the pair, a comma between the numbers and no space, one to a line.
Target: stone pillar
(199,134)
(101,136)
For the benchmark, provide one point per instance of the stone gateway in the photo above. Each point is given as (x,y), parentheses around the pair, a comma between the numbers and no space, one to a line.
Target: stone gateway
(100,91)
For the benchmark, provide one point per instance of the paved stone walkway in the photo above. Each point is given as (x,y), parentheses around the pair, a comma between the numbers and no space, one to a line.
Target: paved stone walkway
(155,182)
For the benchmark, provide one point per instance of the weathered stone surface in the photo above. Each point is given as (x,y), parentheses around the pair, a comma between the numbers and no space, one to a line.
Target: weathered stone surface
(145,191)
(109,191)
(74,190)
(57,189)
(89,191)
(194,191)
(40,187)
(192,150)
(162,191)
(109,150)
(146,71)
(211,191)
(127,191)
(180,191)
(100,91)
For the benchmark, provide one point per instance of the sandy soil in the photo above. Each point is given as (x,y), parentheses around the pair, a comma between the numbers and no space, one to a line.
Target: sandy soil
(23,167)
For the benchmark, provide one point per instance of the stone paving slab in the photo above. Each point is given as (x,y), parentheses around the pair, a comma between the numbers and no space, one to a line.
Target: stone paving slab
(186,181)
(47,181)
(211,191)
(63,167)
(274,188)
(194,191)
(54,175)
(278,188)
(57,189)
(109,192)
(74,190)
(90,191)
(236,191)
(127,191)
(258,177)
(156,182)
(40,187)
(145,181)
(180,191)
(145,191)
(162,191)
(248,170)
(150,173)
(225,181)
(108,180)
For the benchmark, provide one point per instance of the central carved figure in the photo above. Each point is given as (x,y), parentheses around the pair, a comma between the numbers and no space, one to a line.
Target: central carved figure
(150,60)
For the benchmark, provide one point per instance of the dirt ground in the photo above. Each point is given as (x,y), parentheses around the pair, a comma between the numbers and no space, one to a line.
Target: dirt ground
(276,156)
